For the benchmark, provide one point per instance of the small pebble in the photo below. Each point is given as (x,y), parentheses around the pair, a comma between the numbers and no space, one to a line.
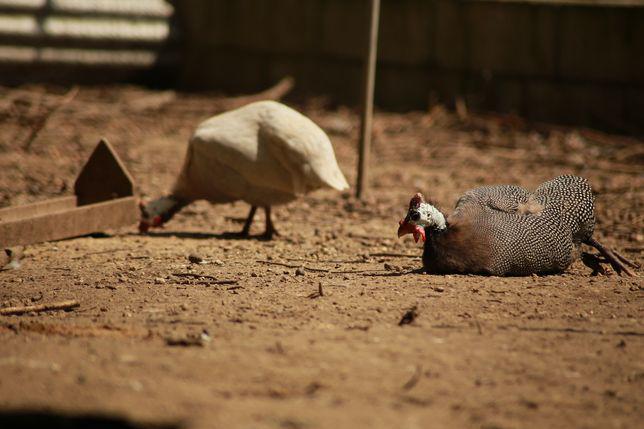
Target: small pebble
(195,259)
(299,272)
(159,280)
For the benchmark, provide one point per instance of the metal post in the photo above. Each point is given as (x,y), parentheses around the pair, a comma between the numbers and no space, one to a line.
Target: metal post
(367,107)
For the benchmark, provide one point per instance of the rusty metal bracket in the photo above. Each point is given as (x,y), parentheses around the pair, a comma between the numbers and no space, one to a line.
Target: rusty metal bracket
(104,199)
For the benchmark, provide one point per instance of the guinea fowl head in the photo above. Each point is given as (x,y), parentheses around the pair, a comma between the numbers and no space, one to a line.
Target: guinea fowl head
(420,215)
(155,213)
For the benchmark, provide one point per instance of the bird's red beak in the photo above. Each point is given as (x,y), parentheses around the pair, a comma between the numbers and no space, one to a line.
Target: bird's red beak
(146,224)
(408,228)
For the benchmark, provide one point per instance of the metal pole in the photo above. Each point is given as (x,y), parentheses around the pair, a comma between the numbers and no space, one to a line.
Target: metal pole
(367,107)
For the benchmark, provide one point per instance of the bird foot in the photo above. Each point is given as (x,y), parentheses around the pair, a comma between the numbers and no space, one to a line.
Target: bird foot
(269,234)
(594,263)
(619,263)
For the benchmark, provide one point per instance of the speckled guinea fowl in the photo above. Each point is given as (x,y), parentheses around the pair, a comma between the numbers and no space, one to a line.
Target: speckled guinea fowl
(507,230)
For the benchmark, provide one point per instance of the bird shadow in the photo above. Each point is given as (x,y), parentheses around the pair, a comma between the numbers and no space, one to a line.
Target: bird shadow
(203,235)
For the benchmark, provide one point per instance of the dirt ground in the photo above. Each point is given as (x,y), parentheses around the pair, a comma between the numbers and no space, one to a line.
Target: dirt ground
(158,340)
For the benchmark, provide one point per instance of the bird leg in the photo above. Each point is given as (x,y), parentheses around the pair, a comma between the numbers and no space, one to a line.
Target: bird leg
(270,228)
(249,221)
(619,263)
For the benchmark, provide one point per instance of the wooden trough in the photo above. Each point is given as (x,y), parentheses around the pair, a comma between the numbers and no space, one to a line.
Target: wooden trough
(104,199)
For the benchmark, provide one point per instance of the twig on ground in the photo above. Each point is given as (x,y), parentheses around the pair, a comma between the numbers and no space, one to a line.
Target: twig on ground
(415,378)
(554,329)
(194,275)
(99,252)
(571,330)
(387,273)
(320,270)
(62,305)
(318,294)
(282,264)
(365,272)
(329,261)
(394,255)
(213,280)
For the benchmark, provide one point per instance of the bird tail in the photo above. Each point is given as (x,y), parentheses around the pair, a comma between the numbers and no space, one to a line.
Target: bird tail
(337,181)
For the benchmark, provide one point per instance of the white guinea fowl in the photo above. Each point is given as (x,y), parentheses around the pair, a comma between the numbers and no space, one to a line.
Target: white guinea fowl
(264,153)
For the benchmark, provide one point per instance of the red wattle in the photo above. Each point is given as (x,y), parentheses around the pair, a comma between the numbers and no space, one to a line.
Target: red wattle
(419,232)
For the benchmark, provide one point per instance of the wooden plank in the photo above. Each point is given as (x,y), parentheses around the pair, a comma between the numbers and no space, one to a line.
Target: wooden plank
(35,209)
(74,222)
(103,177)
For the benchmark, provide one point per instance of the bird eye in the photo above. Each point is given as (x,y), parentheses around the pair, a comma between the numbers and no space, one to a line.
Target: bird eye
(415,216)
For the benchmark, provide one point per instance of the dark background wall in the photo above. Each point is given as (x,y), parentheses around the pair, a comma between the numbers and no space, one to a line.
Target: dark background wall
(88,41)
(567,61)
(571,61)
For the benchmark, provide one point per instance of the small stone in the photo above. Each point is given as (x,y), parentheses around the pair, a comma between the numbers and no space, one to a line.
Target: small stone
(253,274)
(195,259)
(159,280)
(299,272)
(439,289)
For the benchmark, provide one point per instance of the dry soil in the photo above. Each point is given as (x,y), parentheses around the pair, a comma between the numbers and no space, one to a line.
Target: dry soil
(245,340)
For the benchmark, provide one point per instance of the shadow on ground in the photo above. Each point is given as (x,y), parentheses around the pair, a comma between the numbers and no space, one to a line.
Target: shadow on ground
(52,420)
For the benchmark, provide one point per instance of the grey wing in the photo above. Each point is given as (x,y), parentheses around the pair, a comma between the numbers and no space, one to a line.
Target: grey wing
(503,198)
(569,200)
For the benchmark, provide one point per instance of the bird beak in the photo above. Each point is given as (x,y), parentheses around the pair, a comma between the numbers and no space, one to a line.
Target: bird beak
(145,224)
(405,227)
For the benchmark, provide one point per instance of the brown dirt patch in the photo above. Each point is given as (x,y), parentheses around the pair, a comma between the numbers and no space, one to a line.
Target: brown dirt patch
(557,351)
